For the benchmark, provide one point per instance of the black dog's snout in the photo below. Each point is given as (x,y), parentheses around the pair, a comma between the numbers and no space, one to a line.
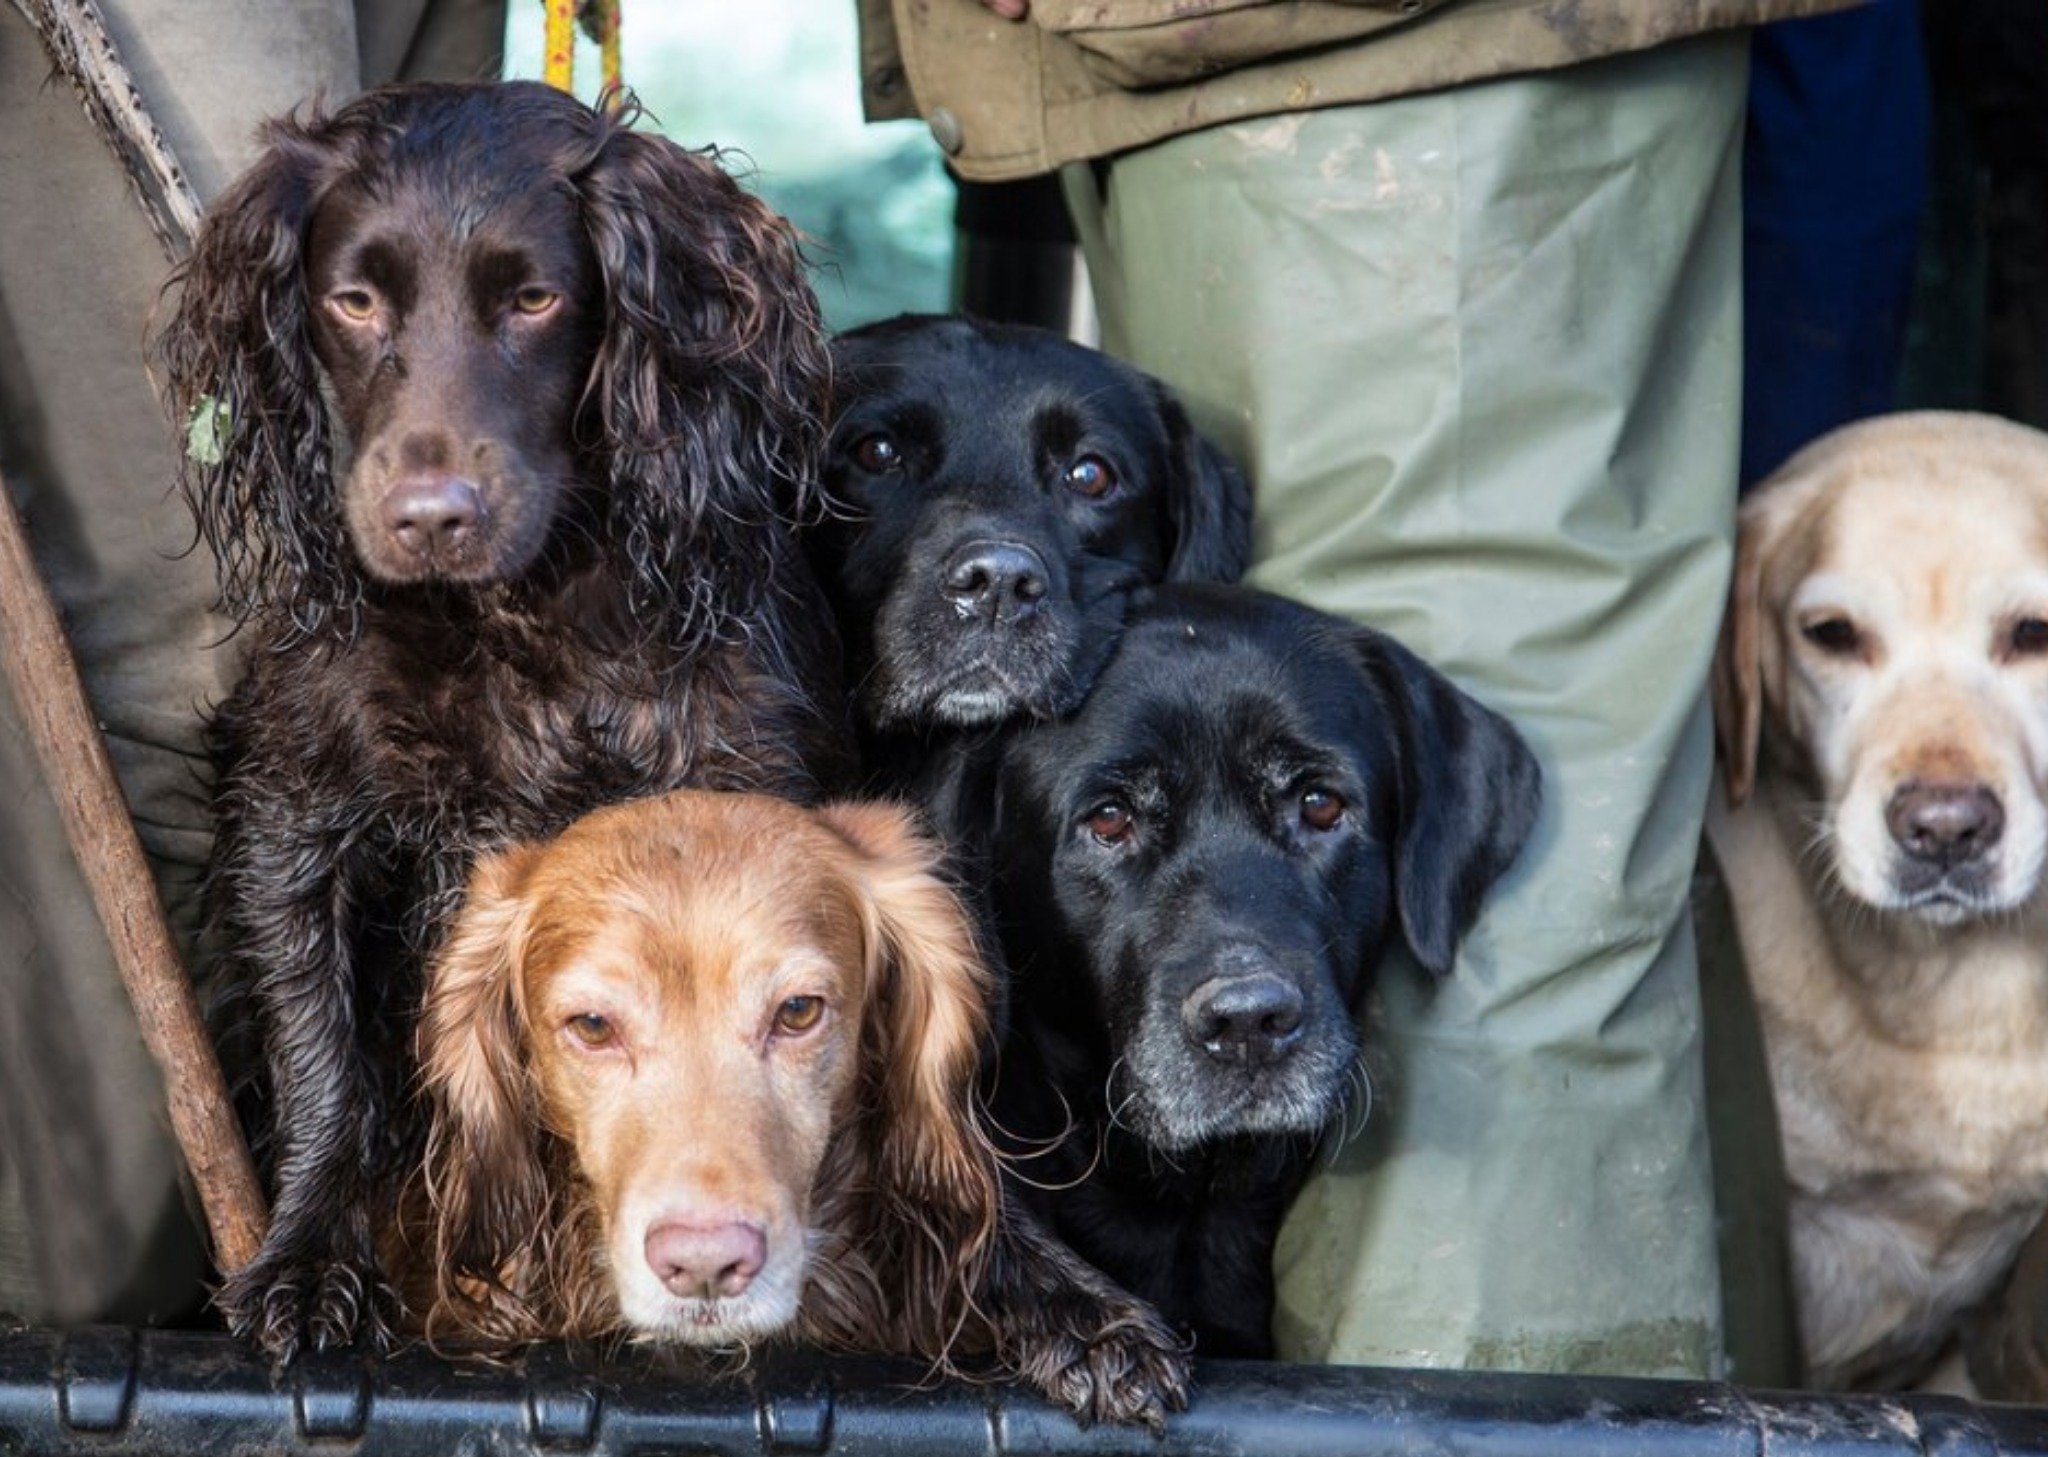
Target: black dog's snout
(1252,1019)
(1000,580)
(1945,824)
(432,514)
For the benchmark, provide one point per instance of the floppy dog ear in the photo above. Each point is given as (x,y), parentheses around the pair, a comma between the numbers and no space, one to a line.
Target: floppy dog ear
(927,1027)
(486,1186)
(242,385)
(1208,502)
(1469,793)
(712,379)
(1737,682)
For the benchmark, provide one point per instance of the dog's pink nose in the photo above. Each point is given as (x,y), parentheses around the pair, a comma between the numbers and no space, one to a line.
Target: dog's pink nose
(432,513)
(706,1260)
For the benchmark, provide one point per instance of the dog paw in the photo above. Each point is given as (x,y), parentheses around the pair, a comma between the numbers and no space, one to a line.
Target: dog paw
(1122,1365)
(352,1306)
(286,1306)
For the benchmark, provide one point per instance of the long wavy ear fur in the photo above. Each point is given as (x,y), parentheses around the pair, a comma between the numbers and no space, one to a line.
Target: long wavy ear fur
(928,1027)
(237,357)
(711,382)
(487,1186)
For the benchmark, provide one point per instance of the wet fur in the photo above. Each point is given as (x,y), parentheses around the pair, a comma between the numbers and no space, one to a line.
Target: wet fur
(1219,707)
(912,1251)
(659,631)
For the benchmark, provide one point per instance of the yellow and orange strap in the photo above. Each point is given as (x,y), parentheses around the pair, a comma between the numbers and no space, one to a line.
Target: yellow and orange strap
(601,19)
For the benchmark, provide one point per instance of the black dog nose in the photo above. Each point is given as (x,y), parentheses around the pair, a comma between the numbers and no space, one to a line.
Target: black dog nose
(1000,580)
(432,514)
(1250,1019)
(1945,824)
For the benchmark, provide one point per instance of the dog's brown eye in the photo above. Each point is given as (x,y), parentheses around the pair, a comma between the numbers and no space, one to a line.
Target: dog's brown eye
(1321,810)
(533,299)
(2029,638)
(798,1015)
(1091,476)
(1110,823)
(592,1030)
(876,454)
(358,305)
(1836,636)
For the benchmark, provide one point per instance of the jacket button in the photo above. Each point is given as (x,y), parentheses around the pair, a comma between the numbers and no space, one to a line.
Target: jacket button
(946,131)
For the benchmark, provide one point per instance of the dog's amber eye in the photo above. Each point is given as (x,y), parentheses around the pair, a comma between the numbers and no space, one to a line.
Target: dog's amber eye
(1110,823)
(798,1015)
(2029,638)
(876,454)
(1321,810)
(1091,476)
(1836,636)
(533,299)
(358,305)
(592,1030)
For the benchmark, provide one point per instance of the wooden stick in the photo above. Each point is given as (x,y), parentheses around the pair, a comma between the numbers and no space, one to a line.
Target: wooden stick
(76,36)
(51,697)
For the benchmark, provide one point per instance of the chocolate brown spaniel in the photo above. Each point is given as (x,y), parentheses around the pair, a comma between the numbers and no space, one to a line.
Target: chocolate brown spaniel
(500,414)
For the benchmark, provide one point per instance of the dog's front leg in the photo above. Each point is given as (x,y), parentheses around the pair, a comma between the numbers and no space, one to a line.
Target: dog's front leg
(288,887)
(1074,1334)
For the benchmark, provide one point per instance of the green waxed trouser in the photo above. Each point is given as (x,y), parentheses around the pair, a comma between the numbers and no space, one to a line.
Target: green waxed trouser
(92,1222)
(1479,350)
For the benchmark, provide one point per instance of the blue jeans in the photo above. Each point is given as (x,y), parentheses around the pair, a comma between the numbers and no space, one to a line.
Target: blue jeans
(1834,181)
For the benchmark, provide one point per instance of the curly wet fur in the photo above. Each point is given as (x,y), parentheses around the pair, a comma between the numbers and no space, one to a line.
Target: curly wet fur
(702,410)
(902,1208)
(516,1257)
(383,735)
(904,1202)
(910,1247)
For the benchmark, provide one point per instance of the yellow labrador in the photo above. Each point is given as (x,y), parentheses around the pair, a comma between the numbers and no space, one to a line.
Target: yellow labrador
(1881,697)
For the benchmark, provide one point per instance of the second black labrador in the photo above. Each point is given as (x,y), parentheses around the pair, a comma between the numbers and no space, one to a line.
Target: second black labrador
(1195,876)
(1008,490)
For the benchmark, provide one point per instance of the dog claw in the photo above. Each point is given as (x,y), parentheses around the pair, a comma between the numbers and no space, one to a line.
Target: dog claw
(286,1307)
(1131,1369)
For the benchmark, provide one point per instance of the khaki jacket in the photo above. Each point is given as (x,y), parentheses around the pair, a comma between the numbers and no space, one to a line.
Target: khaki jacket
(1086,78)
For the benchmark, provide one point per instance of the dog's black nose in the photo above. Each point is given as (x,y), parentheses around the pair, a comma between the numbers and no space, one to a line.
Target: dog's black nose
(432,514)
(1000,580)
(1945,824)
(1250,1019)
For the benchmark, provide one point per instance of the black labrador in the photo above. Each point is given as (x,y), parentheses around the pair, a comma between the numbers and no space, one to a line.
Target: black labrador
(1194,877)
(1008,490)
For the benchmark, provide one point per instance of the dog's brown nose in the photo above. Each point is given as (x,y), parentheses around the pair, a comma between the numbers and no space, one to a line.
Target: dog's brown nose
(1945,824)
(1249,1019)
(706,1261)
(431,514)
